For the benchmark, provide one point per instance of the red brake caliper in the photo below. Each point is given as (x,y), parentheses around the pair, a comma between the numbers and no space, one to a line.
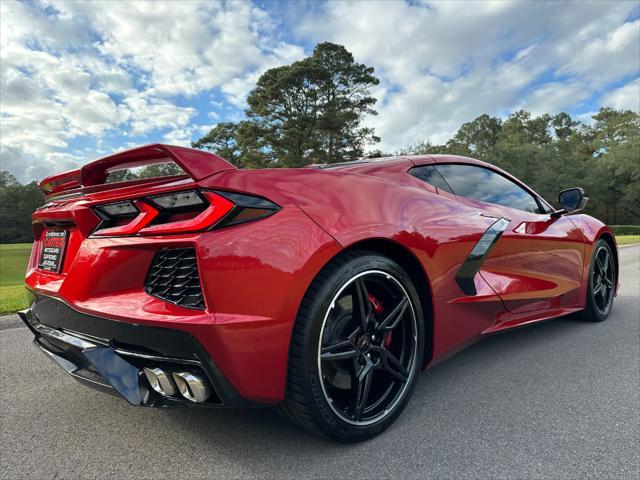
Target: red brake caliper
(378,309)
(377,305)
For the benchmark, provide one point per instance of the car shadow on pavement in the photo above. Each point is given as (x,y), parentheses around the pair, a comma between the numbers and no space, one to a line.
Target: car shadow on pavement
(238,431)
(513,405)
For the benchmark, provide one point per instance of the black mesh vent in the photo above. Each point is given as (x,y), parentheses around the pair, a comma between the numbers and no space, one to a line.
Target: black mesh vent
(173,277)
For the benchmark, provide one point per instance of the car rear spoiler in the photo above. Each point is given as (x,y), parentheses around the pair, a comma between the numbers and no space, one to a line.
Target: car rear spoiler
(195,163)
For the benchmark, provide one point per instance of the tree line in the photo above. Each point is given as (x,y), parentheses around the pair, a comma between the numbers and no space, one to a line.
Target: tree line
(554,152)
(312,111)
(17,203)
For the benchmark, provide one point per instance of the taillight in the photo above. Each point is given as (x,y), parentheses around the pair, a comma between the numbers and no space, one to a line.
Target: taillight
(216,208)
(180,212)
(134,217)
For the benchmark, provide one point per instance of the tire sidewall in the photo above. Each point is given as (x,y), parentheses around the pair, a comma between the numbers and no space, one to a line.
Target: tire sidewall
(331,423)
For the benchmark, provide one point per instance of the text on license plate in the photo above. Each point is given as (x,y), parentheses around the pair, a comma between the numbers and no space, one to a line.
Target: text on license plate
(53,245)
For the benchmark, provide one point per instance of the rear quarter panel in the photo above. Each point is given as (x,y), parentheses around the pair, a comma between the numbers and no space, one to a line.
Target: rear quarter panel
(437,230)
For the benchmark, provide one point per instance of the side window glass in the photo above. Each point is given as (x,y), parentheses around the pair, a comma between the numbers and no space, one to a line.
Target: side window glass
(487,186)
(430,175)
(546,207)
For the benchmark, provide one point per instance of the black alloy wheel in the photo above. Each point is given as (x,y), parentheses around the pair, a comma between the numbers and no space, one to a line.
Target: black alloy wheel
(365,358)
(602,283)
(356,348)
(603,278)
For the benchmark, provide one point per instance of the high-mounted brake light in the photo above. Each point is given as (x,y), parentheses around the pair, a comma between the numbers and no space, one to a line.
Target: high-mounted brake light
(180,212)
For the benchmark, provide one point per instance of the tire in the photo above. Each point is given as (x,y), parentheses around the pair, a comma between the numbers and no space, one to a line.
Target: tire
(368,388)
(602,281)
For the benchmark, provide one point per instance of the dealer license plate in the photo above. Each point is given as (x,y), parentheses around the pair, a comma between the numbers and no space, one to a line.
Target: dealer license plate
(52,253)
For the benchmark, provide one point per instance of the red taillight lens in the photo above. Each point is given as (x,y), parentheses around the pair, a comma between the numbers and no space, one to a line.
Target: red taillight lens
(180,212)
(218,208)
(146,214)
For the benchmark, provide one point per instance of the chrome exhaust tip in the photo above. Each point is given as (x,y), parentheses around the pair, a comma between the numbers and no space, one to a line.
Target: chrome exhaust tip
(192,386)
(160,381)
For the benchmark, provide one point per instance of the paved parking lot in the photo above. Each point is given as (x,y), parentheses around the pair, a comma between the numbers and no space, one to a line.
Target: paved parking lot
(556,400)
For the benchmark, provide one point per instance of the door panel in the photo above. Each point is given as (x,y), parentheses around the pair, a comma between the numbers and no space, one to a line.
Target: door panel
(539,267)
(537,262)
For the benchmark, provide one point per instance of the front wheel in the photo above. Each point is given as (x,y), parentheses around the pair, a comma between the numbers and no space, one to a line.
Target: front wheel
(602,282)
(356,348)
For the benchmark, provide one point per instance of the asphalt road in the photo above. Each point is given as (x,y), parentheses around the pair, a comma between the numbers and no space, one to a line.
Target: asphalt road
(555,400)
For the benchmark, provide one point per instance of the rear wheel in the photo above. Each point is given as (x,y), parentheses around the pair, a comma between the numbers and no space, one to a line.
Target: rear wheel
(602,281)
(356,348)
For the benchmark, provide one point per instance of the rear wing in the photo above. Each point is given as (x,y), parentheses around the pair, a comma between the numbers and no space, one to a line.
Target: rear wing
(195,163)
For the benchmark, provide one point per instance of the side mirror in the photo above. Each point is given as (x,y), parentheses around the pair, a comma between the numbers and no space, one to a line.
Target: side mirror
(571,200)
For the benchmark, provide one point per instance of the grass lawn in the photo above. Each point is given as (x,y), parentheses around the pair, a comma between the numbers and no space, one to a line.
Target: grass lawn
(13,265)
(627,239)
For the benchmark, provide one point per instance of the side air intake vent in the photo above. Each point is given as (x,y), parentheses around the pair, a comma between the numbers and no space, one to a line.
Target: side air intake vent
(173,277)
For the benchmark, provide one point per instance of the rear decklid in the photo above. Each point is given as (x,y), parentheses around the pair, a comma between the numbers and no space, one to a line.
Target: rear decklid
(68,216)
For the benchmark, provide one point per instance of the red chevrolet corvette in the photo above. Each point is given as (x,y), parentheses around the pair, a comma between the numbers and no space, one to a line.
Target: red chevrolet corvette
(321,290)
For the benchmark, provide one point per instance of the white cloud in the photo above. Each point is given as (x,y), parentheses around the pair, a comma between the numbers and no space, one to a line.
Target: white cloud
(627,97)
(606,57)
(182,136)
(185,47)
(148,114)
(555,97)
(113,73)
(444,63)
(81,69)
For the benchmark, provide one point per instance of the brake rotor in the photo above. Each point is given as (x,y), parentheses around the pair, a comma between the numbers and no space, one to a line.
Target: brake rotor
(338,374)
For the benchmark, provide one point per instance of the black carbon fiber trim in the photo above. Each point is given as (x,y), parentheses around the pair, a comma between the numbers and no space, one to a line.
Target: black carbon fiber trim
(466,274)
(173,277)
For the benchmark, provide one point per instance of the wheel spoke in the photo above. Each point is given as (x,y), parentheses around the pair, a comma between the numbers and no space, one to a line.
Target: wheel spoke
(361,386)
(391,321)
(348,352)
(341,350)
(605,263)
(334,357)
(363,303)
(333,348)
(392,365)
(598,290)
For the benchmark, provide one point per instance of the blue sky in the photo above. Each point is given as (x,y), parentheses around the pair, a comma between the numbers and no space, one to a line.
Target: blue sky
(80,80)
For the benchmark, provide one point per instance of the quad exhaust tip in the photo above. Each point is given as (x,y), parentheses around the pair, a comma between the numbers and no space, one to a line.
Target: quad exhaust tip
(160,381)
(192,386)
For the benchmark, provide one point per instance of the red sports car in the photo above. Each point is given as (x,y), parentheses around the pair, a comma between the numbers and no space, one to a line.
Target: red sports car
(321,290)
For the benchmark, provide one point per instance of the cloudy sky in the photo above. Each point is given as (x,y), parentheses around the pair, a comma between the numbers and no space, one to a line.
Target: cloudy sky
(80,80)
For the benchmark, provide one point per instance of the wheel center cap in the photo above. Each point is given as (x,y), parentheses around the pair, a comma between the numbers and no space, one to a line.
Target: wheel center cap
(364,343)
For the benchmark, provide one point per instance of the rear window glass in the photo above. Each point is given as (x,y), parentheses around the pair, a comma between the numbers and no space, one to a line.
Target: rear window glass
(164,169)
(430,175)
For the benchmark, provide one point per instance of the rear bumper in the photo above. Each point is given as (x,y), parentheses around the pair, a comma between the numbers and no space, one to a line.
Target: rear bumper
(110,356)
